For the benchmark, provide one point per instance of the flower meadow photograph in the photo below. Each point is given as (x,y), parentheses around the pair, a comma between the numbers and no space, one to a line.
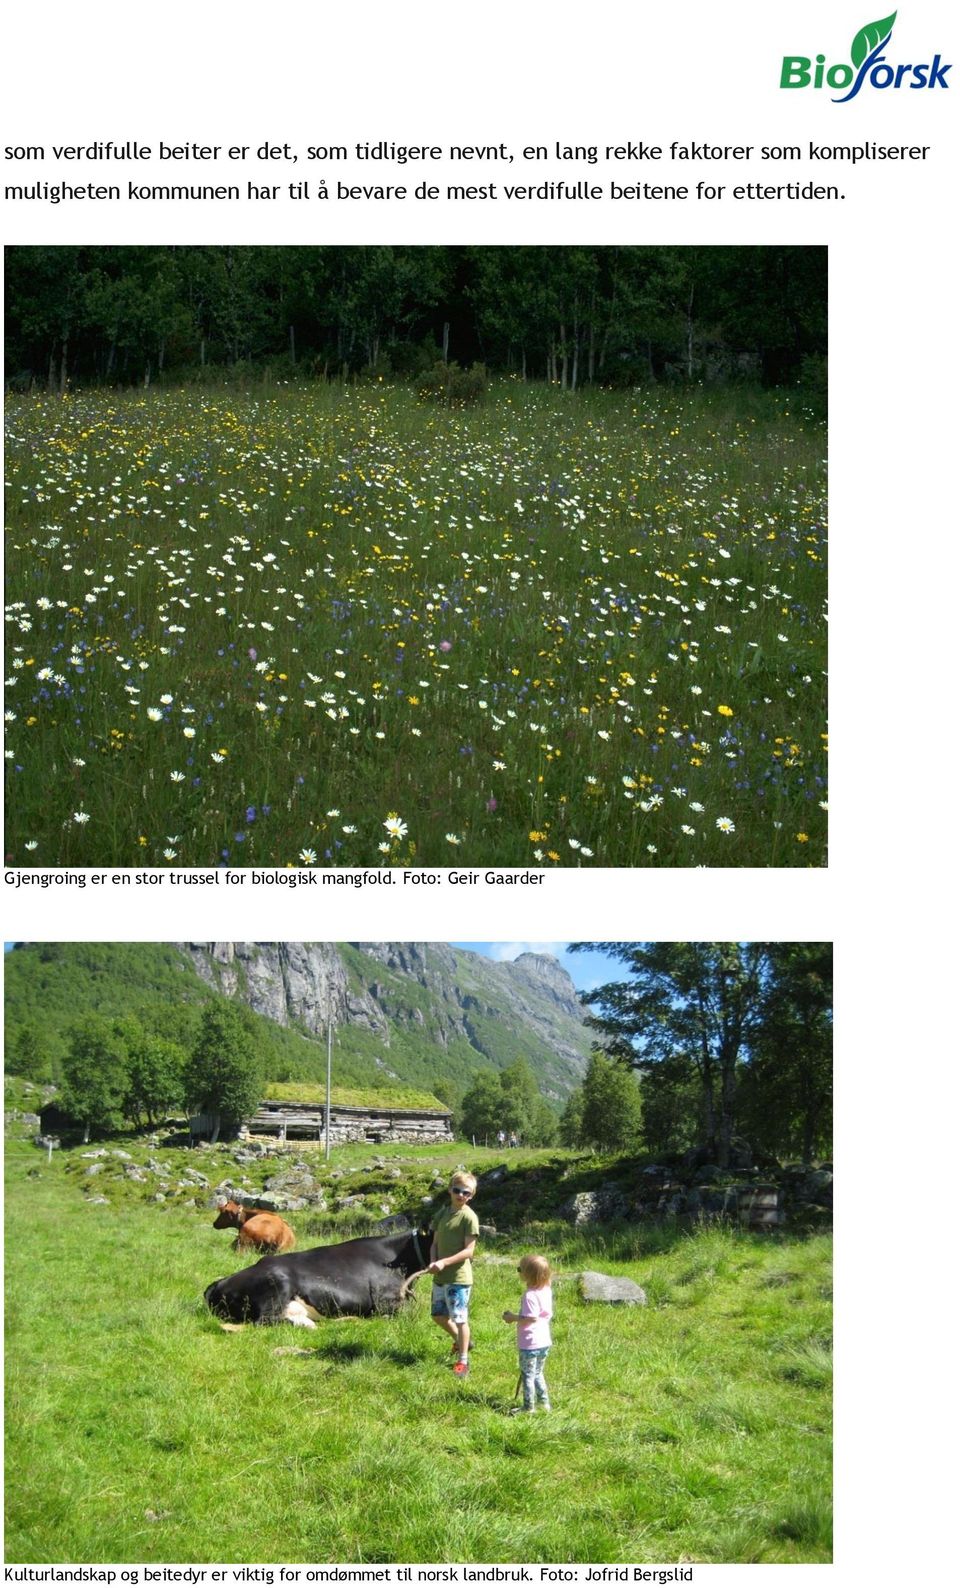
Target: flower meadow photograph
(386,556)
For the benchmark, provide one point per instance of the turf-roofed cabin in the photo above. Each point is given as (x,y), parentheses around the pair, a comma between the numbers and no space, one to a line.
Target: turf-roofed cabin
(307,1122)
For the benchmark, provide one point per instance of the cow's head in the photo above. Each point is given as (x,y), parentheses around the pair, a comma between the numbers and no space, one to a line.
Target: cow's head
(229,1216)
(421,1237)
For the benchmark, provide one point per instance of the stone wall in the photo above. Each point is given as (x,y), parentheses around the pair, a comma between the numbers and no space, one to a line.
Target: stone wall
(795,1194)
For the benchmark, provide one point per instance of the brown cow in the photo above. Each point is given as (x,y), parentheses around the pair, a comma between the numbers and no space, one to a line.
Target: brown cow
(261,1232)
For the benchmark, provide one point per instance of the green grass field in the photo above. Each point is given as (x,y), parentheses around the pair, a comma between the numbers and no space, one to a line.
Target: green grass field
(342,626)
(696,1429)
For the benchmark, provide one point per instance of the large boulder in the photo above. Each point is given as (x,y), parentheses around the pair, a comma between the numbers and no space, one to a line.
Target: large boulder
(594,1207)
(491,1177)
(392,1224)
(295,1182)
(611,1288)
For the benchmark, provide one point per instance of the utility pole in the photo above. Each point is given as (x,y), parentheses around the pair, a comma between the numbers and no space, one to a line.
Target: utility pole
(326,1149)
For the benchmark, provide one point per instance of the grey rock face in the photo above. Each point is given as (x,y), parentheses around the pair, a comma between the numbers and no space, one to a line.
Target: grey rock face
(458,994)
(285,982)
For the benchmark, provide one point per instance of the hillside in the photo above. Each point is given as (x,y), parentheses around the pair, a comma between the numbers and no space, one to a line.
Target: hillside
(417,1014)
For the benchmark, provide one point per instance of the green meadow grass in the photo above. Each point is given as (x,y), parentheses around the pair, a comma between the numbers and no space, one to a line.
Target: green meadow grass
(694,1429)
(316,625)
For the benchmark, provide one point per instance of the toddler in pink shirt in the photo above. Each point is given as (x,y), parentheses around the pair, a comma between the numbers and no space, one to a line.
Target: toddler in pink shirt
(533,1330)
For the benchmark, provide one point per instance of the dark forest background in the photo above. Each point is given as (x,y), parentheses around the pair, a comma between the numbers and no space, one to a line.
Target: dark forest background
(616,316)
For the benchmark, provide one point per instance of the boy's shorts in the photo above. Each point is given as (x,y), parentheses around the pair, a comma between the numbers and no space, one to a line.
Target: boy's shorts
(450,1301)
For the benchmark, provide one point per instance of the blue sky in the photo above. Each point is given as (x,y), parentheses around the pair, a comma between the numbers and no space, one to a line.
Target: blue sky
(588,970)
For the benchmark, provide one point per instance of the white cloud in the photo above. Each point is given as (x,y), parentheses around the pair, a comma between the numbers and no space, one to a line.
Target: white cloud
(512,950)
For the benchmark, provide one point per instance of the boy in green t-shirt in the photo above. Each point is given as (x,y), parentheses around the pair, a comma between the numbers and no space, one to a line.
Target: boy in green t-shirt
(455,1233)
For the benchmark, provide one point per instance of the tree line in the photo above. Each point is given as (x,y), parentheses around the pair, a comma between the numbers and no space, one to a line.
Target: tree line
(116,1071)
(575,316)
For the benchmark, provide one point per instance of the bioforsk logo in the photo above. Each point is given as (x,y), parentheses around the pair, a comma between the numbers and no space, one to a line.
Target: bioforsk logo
(868,65)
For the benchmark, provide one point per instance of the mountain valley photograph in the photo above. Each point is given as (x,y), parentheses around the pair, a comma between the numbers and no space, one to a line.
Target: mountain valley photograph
(291,1203)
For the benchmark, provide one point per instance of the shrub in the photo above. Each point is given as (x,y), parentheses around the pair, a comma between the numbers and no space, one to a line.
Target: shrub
(413,360)
(448,383)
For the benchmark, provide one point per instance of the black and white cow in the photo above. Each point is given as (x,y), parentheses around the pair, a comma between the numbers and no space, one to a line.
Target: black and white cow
(362,1277)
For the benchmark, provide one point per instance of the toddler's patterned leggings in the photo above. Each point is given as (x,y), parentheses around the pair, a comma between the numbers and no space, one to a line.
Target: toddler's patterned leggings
(535,1389)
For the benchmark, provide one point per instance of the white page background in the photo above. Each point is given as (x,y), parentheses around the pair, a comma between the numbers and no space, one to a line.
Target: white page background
(528,73)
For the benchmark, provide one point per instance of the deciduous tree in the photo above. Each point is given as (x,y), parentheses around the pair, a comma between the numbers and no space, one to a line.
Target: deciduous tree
(95,1075)
(223,1076)
(610,1115)
(696,1004)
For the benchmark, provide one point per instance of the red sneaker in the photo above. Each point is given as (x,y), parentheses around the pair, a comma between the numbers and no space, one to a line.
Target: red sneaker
(461,1369)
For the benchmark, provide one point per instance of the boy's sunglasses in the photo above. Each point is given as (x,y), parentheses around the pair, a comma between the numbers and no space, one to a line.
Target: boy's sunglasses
(461,1191)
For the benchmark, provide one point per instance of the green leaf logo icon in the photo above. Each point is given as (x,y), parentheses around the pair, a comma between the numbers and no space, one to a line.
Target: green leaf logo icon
(869,37)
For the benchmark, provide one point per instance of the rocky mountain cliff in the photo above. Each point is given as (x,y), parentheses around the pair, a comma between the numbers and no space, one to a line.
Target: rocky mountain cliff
(411,998)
